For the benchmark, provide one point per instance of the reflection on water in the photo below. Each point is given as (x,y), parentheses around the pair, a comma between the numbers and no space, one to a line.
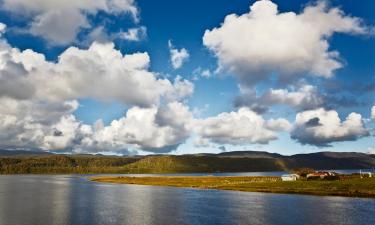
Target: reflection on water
(64,199)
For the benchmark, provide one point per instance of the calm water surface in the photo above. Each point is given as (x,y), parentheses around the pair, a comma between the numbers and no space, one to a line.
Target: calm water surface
(69,199)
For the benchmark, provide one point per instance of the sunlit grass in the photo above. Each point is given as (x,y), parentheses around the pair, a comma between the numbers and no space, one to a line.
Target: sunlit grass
(353,187)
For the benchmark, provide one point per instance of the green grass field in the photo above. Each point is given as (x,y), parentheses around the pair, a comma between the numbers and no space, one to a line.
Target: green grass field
(352,187)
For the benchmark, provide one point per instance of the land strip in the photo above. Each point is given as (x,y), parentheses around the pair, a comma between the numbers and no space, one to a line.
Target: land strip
(349,187)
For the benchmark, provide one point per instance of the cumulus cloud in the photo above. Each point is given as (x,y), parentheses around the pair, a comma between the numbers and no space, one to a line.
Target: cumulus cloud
(65,134)
(278,124)
(177,56)
(37,101)
(47,126)
(101,34)
(36,124)
(264,41)
(304,97)
(241,127)
(200,72)
(322,127)
(2,28)
(59,22)
(99,72)
(133,34)
(150,129)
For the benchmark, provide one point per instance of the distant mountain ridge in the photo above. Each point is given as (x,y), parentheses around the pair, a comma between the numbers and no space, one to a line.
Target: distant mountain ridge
(22,152)
(252,154)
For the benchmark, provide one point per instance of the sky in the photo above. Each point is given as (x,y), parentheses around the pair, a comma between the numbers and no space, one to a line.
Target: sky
(189,76)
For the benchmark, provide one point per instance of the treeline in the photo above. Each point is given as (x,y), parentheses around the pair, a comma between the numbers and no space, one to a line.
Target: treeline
(203,164)
(55,164)
(64,164)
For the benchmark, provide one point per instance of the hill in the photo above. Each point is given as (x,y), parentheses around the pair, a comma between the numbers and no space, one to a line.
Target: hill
(249,161)
(195,164)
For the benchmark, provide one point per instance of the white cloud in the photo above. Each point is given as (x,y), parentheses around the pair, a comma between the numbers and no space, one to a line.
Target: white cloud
(206,73)
(321,127)
(38,111)
(2,28)
(101,34)
(241,127)
(278,124)
(178,56)
(373,112)
(35,124)
(100,72)
(150,129)
(200,72)
(57,31)
(305,97)
(51,126)
(133,34)
(371,150)
(37,101)
(59,22)
(264,41)
(63,134)
(98,34)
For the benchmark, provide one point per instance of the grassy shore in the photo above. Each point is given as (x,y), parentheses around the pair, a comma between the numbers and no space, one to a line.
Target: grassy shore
(349,187)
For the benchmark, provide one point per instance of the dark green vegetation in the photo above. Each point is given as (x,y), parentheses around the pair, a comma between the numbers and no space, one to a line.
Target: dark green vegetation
(350,186)
(224,162)
(63,164)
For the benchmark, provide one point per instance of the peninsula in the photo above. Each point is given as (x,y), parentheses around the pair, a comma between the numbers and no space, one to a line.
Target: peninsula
(348,186)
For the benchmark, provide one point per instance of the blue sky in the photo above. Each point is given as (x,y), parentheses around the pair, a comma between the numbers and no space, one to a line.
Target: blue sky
(144,77)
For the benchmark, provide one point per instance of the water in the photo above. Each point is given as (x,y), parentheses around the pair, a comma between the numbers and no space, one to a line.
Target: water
(69,199)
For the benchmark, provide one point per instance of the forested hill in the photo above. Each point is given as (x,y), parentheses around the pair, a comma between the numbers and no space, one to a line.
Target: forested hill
(249,161)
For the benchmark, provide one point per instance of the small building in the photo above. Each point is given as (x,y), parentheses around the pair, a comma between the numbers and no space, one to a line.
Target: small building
(321,175)
(289,177)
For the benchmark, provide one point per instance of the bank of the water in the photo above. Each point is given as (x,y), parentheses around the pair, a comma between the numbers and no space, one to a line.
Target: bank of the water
(352,187)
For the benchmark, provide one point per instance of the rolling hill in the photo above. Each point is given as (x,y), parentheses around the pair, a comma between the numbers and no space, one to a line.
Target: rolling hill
(246,161)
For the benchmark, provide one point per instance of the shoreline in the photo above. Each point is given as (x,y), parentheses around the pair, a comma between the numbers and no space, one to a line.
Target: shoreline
(353,187)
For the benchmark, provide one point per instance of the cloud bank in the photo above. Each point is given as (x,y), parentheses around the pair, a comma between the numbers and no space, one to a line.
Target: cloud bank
(38,97)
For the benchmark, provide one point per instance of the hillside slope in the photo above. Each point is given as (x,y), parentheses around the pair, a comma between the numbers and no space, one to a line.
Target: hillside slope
(191,164)
(224,162)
